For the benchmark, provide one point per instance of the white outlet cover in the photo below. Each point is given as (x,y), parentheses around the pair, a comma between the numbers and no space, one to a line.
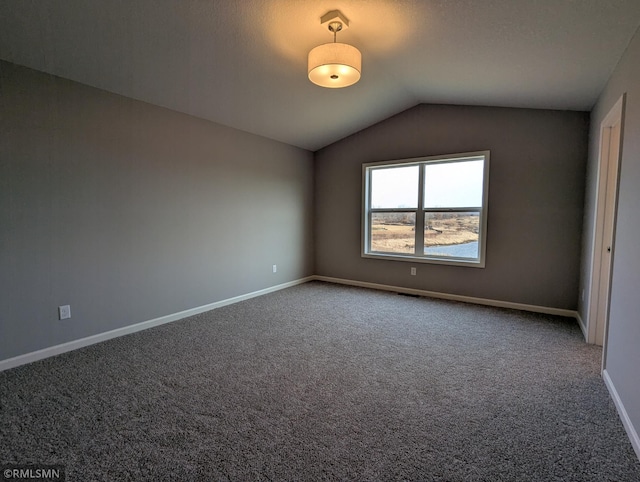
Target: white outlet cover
(64,312)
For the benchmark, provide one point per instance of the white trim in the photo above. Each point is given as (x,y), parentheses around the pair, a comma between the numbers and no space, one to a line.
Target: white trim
(582,325)
(410,258)
(126,330)
(632,433)
(447,296)
(419,210)
(615,115)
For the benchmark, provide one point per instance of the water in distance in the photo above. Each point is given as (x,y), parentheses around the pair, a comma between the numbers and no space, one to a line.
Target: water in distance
(464,250)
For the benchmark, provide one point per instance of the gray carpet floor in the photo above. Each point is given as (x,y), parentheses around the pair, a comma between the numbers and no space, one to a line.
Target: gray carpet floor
(322,381)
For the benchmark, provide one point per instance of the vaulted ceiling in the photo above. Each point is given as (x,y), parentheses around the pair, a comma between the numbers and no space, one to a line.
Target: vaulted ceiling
(243,63)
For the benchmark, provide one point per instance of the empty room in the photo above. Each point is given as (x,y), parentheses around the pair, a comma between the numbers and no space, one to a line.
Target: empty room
(313,240)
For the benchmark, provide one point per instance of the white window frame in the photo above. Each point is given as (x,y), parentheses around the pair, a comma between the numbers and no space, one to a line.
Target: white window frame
(420,211)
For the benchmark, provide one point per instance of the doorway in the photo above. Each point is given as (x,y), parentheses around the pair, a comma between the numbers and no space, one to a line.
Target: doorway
(604,232)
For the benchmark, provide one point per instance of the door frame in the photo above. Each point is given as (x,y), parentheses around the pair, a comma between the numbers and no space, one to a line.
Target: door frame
(607,166)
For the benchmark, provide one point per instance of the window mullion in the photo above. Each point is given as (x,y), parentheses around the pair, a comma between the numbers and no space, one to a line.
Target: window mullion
(393,210)
(452,210)
(420,214)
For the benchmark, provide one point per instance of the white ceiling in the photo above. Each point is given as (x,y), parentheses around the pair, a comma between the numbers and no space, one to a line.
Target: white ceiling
(243,62)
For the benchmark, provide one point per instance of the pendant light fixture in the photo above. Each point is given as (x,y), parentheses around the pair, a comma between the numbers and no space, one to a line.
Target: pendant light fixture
(334,65)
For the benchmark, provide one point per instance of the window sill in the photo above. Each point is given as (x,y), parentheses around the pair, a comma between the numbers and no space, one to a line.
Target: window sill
(425,259)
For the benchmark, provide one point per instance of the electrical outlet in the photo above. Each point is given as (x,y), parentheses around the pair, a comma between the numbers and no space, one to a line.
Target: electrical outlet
(413,271)
(275,268)
(64,312)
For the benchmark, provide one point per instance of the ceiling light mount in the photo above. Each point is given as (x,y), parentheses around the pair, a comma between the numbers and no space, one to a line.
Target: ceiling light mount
(334,16)
(334,65)
(335,27)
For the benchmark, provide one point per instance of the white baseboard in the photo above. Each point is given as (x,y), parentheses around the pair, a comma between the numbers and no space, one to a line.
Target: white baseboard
(126,330)
(447,296)
(583,327)
(622,412)
(90,340)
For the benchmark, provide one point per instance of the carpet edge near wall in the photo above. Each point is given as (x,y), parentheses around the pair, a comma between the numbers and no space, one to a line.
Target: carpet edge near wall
(631,431)
(71,345)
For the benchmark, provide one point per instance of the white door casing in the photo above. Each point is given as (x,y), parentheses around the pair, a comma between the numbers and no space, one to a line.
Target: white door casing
(604,227)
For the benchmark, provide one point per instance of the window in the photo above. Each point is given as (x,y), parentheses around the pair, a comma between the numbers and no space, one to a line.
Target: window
(429,210)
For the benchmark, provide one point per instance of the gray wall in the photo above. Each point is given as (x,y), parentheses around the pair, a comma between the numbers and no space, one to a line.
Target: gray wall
(623,347)
(536,193)
(129,211)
